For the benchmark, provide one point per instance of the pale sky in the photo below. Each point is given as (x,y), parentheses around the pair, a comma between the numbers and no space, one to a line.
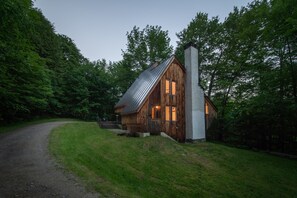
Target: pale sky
(99,27)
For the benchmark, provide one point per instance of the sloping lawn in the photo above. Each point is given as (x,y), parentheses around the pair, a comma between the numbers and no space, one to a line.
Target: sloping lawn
(119,166)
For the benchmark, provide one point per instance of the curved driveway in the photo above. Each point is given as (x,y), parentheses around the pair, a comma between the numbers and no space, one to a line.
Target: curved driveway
(27,169)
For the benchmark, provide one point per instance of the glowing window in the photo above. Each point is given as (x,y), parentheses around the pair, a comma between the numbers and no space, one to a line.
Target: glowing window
(206,109)
(167,113)
(167,86)
(173,88)
(173,113)
(156,112)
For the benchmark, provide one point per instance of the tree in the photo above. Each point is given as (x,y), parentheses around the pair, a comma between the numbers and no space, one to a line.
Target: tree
(25,83)
(102,92)
(256,84)
(144,47)
(69,81)
(208,35)
(45,73)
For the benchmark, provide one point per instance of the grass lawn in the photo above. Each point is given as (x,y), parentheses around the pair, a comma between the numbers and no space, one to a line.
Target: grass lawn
(119,166)
(14,126)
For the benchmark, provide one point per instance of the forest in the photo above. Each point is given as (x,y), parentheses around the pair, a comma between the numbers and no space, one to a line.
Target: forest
(248,64)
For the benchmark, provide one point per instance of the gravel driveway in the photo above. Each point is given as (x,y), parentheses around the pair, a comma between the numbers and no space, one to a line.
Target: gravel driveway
(27,169)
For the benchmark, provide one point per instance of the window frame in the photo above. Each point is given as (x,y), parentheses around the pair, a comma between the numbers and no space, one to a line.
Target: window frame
(175,112)
(167,86)
(170,87)
(206,108)
(169,113)
(173,82)
(155,109)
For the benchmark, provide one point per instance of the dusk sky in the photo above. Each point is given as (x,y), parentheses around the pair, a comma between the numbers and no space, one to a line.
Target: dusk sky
(98,27)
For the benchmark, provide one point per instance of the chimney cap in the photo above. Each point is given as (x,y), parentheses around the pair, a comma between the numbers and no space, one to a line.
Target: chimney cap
(190,44)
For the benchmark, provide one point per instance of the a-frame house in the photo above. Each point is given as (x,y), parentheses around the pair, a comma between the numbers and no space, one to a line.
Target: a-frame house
(167,97)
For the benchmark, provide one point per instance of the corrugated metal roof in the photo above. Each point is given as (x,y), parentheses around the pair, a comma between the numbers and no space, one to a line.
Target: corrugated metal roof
(137,93)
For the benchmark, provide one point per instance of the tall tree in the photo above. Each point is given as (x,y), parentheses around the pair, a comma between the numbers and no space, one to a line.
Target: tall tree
(68,81)
(208,34)
(102,92)
(256,83)
(25,84)
(144,47)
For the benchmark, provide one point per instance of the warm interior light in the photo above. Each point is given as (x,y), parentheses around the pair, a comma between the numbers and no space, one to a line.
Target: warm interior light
(167,86)
(173,88)
(167,113)
(156,112)
(173,113)
(206,109)
(153,113)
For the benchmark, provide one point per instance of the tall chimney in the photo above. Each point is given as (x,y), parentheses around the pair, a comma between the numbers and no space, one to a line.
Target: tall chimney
(194,98)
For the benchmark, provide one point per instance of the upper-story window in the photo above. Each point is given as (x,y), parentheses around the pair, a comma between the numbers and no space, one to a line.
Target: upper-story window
(173,88)
(167,86)
(170,87)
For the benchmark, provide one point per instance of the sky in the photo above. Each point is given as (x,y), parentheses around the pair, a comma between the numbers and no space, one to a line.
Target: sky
(99,27)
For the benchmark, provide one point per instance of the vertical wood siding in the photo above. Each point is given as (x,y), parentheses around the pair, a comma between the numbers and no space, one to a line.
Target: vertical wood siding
(175,129)
(158,96)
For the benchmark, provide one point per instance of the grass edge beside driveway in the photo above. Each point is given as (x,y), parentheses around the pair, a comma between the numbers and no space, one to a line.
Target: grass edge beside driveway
(17,125)
(157,167)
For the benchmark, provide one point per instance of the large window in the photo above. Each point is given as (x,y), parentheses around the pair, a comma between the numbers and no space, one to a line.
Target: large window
(170,113)
(167,86)
(173,113)
(170,87)
(167,113)
(173,88)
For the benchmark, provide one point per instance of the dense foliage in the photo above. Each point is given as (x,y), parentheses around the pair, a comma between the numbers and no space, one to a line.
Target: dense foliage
(248,67)
(144,48)
(43,73)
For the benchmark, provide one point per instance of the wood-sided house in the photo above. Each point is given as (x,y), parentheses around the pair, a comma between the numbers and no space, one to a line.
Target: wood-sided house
(167,97)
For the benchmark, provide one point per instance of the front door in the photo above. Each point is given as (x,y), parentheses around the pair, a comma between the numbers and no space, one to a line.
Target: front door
(154,126)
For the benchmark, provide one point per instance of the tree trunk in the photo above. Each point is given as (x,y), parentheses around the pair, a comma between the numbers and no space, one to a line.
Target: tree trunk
(294,81)
(225,99)
(281,103)
(213,74)
(211,83)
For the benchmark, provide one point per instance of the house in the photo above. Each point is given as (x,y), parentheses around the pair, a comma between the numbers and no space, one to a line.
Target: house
(167,97)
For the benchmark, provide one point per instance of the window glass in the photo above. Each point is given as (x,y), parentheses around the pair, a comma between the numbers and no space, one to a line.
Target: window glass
(173,88)
(167,113)
(206,108)
(173,113)
(153,113)
(167,89)
(156,112)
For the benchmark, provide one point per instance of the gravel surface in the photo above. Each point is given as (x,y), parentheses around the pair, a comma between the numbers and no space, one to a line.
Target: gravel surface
(27,169)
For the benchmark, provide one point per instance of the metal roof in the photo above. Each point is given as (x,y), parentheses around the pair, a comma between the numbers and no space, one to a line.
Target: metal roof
(135,96)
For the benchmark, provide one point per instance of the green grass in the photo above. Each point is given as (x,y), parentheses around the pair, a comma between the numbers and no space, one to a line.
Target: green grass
(119,166)
(17,125)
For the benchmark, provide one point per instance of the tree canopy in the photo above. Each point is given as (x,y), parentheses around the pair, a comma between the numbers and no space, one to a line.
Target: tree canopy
(44,73)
